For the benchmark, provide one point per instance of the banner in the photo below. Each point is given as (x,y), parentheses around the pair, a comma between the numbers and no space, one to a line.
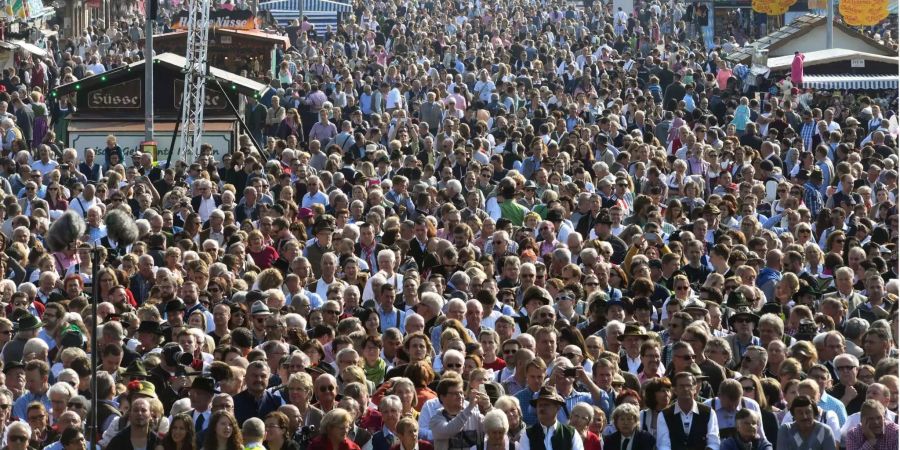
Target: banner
(863,12)
(221,18)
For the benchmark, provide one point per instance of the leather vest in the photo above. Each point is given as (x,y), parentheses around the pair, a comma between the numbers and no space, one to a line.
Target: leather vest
(562,437)
(696,438)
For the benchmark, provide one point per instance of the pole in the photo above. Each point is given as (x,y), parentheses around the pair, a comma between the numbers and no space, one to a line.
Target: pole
(148,71)
(829,24)
(95,287)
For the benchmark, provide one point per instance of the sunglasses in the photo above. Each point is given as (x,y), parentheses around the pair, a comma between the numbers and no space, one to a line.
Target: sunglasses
(326,389)
(18,438)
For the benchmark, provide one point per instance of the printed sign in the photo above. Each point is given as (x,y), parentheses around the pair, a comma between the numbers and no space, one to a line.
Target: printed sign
(130,141)
(124,95)
(215,100)
(232,20)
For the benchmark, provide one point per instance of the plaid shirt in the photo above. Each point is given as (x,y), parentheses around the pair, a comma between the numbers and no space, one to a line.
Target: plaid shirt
(807,131)
(856,440)
(812,198)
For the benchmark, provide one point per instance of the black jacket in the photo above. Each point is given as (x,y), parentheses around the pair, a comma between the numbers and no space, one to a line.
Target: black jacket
(122,440)
(642,440)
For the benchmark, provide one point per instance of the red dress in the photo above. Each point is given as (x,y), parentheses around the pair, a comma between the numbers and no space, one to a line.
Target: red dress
(592,441)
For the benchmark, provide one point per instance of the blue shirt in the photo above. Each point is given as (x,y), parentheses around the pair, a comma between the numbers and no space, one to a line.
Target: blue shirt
(310,200)
(394,318)
(830,403)
(529,413)
(573,399)
(20,408)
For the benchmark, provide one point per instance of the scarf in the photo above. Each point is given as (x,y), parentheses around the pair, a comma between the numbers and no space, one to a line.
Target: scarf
(376,373)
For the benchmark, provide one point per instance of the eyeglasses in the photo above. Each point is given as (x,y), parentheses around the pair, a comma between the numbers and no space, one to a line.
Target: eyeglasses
(5,407)
(571,355)
(18,438)
(453,366)
(510,351)
(326,388)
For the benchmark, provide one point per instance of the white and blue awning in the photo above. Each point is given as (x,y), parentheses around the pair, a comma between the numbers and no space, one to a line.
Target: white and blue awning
(321,13)
(852,82)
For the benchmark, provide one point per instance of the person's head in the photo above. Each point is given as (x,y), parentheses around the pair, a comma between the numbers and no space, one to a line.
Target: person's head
(223,428)
(139,412)
(747,421)
(72,439)
(257,377)
(336,425)
(626,418)
(254,429)
(805,412)
(847,367)
(408,432)
(871,417)
(496,425)
(17,435)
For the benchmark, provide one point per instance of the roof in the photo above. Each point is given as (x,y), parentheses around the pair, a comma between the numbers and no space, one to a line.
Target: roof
(175,63)
(828,56)
(252,34)
(800,26)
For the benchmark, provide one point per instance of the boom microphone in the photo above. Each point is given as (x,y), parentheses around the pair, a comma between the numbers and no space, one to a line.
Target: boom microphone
(67,229)
(121,228)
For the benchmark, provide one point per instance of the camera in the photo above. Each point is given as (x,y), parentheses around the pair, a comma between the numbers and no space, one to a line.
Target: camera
(570,372)
(175,356)
(305,435)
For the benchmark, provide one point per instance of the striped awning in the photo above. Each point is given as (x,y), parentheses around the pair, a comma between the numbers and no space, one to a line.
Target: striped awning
(857,82)
(326,5)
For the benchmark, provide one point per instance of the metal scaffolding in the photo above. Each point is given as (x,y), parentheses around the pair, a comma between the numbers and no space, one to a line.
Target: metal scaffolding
(195,72)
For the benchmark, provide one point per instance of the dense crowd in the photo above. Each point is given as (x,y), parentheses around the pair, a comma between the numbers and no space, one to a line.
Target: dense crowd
(492,225)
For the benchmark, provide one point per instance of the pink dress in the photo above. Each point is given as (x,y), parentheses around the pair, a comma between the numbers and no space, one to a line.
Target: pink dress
(797,69)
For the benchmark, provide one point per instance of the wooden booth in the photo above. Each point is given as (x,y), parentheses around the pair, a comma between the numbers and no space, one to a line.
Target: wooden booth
(236,43)
(113,103)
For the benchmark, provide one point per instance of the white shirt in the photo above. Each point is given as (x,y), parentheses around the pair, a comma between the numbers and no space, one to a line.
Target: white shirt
(726,418)
(577,444)
(633,363)
(394,99)
(429,409)
(207,205)
(663,439)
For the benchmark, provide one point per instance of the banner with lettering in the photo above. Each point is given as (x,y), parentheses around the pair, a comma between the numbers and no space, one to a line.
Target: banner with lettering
(859,13)
(222,18)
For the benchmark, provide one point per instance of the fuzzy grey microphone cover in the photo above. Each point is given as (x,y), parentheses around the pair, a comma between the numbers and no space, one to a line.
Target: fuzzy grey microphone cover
(121,228)
(67,229)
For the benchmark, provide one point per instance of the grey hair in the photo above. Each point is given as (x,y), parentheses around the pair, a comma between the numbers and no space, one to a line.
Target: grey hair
(18,424)
(63,388)
(496,420)
(855,328)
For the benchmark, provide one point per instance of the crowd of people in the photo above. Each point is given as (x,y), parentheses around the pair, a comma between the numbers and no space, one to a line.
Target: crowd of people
(495,225)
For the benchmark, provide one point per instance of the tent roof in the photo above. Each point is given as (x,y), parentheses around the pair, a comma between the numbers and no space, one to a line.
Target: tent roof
(828,56)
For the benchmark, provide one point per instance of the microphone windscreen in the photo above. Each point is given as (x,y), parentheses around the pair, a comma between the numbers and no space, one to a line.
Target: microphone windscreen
(121,227)
(67,229)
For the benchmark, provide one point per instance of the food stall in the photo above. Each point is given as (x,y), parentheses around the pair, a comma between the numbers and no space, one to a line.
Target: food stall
(113,103)
(236,44)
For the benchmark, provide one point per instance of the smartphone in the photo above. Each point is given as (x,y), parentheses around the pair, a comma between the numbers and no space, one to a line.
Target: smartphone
(650,237)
